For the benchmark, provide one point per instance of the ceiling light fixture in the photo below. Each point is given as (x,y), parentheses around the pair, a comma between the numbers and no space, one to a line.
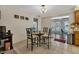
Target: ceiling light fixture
(43,9)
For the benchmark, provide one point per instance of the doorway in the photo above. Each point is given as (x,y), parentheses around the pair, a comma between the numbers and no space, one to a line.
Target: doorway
(60,29)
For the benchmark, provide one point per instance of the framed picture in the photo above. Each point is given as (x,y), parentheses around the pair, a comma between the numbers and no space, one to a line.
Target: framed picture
(22,17)
(16,16)
(35,19)
(26,18)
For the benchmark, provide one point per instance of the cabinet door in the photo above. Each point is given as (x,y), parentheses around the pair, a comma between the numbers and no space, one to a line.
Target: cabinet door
(77,16)
(76,38)
(77,42)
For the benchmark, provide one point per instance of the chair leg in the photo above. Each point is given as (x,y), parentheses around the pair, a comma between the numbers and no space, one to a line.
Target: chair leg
(31,44)
(27,43)
(44,40)
(37,42)
(48,43)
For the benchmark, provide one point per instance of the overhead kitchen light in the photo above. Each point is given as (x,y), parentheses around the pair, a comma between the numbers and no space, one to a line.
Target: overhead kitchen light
(43,9)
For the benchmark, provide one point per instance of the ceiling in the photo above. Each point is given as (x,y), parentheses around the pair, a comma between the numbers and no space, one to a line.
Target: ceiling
(52,10)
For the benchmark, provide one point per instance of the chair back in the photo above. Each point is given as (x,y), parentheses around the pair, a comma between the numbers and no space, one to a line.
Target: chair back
(28,31)
(45,29)
(49,33)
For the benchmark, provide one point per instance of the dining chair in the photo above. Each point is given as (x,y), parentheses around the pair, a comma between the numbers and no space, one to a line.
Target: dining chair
(31,37)
(46,36)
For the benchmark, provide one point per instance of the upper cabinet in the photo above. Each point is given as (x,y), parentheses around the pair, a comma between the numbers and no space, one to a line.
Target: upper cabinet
(77,16)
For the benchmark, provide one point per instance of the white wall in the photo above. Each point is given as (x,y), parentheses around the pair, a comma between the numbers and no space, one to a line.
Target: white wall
(17,26)
(45,22)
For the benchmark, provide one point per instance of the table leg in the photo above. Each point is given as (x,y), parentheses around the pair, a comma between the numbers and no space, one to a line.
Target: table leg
(39,40)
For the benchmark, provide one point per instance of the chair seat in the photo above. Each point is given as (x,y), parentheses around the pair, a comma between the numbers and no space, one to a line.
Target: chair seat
(35,36)
(29,37)
(45,35)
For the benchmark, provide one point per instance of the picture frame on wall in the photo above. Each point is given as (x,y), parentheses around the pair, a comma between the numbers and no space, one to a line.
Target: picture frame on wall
(16,16)
(22,17)
(35,19)
(26,18)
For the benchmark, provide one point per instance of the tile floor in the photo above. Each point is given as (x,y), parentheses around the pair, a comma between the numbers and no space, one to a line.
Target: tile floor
(55,48)
(10,52)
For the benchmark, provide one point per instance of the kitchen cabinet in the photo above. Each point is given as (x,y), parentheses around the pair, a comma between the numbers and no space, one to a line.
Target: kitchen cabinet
(77,38)
(77,16)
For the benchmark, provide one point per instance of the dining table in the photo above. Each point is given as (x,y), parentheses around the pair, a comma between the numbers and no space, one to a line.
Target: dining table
(39,34)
